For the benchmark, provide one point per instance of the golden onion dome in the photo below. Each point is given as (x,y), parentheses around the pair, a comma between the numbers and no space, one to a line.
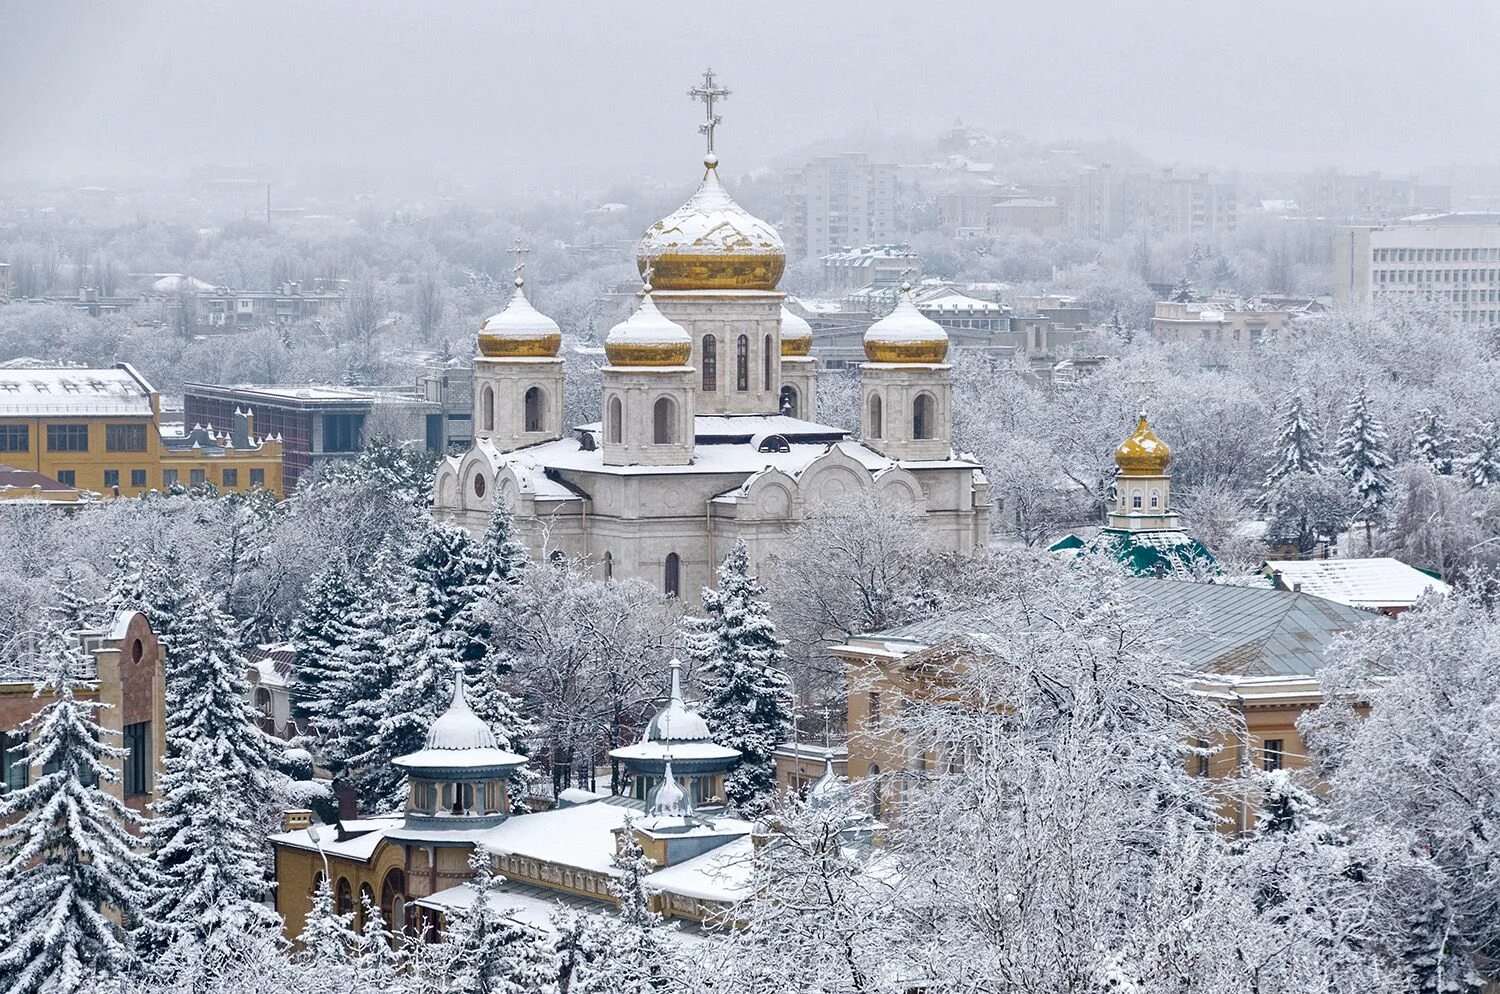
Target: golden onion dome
(648,338)
(796,334)
(712,243)
(520,331)
(1143,454)
(906,335)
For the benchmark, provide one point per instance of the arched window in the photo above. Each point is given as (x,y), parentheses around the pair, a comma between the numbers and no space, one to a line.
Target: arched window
(1155,499)
(664,421)
(767,362)
(616,420)
(921,416)
(343,900)
(672,575)
(742,363)
(487,408)
(788,404)
(609,566)
(535,407)
(1135,500)
(710,363)
(393,900)
(875,416)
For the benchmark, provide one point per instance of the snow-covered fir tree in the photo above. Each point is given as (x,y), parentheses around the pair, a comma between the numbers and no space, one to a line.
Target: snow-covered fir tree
(491,953)
(1433,443)
(321,627)
(379,960)
(1364,458)
(1296,450)
(71,878)
(1481,467)
(746,690)
(328,939)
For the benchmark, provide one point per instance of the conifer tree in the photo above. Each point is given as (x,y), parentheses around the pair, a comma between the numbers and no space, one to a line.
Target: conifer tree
(491,953)
(1481,467)
(328,938)
(379,962)
(1364,461)
(628,886)
(321,628)
(1432,953)
(71,882)
(1433,442)
(1296,449)
(746,690)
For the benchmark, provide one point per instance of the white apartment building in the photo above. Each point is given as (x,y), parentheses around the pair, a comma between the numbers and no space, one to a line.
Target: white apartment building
(839,201)
(1451,258)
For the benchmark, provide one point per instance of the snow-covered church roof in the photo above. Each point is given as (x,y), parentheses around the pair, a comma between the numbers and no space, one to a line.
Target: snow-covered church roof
(460,739)
(678,732)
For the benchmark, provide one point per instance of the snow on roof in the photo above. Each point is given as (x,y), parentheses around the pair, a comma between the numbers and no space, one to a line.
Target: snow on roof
(118,392)
(1368,583)
(581,836)
(647,325)
(953,300)
(688,751)
(359,847)
(710,222)
(724,875)
(458,759)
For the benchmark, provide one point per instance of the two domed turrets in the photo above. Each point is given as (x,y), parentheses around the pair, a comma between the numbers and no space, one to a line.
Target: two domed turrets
(520,331)
(906,335)
(1143,454)
(648,338)
(796,335)
(712,243)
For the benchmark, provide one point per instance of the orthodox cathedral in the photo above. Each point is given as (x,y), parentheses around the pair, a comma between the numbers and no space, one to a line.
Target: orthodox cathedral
(710,430)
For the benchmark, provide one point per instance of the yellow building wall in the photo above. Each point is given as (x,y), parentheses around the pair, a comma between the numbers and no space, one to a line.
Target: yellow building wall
(298,870)
(89,466)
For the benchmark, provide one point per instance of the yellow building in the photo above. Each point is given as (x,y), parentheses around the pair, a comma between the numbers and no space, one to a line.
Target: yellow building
(100,431)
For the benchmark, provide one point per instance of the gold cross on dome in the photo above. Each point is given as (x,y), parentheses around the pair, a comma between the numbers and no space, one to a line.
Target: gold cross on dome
(708,93)
(520,251)
(646,276)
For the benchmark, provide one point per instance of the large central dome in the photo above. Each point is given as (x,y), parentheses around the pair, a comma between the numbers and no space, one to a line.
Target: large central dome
(712,243)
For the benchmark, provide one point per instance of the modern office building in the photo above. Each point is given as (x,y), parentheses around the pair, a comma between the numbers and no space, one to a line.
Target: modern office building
(1452,259)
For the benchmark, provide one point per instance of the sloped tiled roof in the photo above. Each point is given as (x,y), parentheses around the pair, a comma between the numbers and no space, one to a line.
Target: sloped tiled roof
(1219,629)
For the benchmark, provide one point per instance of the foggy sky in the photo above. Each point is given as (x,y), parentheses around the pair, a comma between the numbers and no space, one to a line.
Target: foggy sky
(583,88)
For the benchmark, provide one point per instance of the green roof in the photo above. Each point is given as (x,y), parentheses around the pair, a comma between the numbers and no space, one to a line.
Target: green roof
(1147,553)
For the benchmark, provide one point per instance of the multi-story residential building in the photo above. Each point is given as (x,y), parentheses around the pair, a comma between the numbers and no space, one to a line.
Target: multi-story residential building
(1171,204)
(100,430)
(991,212)
(224,307)
(838,201)
(1368,196)
(851,269)
(316,424)
(1452,259)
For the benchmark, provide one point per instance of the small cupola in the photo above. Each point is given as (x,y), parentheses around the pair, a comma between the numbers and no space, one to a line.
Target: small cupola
(678,738)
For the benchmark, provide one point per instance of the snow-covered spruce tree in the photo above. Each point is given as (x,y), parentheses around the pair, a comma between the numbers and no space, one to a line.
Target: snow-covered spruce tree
(1364,460)
(379,959)
(320,629)
(491,953)
(1433,443)
(203,843)
(628,886)
(1296,450)
(328,940)
(746,691)
(71,879)
(1481,467)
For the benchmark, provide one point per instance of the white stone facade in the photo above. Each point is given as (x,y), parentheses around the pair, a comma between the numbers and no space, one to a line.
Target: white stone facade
(518,401)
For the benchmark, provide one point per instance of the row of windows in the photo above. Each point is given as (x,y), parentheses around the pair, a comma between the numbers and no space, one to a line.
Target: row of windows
(1437,255)
(74,438)
(228,478)
(1437,275)
(741,363)
(1465,295)
(15,770)
(664,428)
(533,410)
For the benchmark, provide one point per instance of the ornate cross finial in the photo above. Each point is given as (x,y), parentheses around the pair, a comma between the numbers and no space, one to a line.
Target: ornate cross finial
(906,277)
(708,93)
(520,251)
(646,277)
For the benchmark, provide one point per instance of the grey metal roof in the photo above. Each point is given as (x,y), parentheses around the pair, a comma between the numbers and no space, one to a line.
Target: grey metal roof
(1229,630)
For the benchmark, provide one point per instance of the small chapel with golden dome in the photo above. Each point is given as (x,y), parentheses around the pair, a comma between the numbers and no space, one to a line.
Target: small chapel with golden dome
(1142,530)
(709,429)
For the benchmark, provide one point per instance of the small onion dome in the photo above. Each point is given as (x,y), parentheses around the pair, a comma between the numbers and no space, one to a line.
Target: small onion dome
(648,338)
(712,243)
(796,334)
(519,331)
(668,797)
(675,723)
(827,790)
(906,335)
(1143,454)
(459,727)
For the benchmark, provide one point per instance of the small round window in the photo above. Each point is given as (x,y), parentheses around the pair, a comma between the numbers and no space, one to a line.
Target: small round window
(137,650)
(479,486)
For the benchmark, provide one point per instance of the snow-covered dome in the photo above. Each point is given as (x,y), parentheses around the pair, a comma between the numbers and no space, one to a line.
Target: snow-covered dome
(712,243)
(906,335)
(459,727)
(827,790)
(669,798)
(675,723)
(519,331)
(648,338)
(1143,454)
(796,334)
